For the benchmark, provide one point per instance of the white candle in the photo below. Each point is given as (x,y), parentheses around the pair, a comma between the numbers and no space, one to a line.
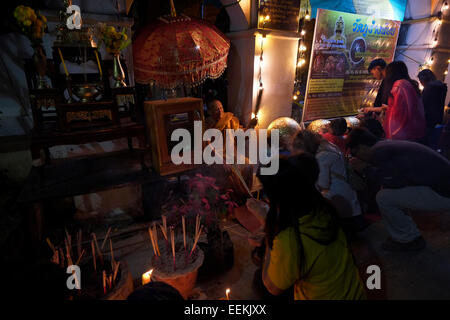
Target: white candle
(227,292)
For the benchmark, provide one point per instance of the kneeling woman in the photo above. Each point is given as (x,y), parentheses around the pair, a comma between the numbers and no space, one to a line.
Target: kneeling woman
(305,246)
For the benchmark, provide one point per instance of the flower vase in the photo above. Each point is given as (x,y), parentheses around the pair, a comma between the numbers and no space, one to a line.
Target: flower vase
(118,74)
(40,66)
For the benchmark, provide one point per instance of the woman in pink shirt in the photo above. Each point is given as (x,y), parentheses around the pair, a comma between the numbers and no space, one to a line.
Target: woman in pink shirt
(404,118)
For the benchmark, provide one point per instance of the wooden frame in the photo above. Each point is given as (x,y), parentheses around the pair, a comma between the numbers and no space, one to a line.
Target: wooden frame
(160,119)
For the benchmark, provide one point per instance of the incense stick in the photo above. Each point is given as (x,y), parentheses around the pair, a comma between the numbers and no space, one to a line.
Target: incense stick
(115,271)
(163,232)
(164,220)
(79,240)
(100,255)
(172,237)
(155,237)
(150,233)
(69,238)
(81,256)
(196,240)
(238,174)
(104,281)
(69,258)
(61,253)
(183,221)
(112,254)
(106,237)
(93,255)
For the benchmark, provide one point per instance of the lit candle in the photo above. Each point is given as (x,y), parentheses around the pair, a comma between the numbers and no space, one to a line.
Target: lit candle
(147,277)
(227,292)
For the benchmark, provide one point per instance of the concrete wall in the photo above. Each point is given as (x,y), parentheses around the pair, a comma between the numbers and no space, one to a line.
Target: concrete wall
(278,70)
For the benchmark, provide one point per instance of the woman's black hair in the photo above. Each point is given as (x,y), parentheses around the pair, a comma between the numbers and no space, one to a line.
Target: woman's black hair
(292,194)
(397,70)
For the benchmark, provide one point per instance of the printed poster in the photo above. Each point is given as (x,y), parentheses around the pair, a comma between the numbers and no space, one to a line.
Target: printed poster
(344,45)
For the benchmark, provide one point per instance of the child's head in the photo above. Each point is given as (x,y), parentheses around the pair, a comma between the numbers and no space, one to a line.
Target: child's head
(338,127)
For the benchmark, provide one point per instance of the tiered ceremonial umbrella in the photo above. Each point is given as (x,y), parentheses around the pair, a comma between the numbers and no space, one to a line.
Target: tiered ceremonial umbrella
(177,50)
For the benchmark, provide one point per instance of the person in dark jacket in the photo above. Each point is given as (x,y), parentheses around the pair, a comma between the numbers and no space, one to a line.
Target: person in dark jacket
(412,177)
(433,97)
(377,68)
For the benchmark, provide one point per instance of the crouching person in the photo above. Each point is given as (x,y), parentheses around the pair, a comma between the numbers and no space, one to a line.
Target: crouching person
(305,245)
(412,177)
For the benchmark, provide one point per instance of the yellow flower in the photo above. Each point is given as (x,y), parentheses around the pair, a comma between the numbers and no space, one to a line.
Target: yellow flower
(27,23)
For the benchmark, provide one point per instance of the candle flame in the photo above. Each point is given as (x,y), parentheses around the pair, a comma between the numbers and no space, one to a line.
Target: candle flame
(227,292)
(147,277)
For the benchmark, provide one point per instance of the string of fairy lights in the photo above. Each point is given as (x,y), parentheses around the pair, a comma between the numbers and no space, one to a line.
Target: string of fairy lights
(436,30)
(302,49)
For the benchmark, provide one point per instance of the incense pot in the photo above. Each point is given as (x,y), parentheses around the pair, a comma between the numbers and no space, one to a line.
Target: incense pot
(182,276)
(124,287)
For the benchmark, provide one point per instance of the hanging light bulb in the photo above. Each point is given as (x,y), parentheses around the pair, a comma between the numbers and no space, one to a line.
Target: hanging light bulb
(430,61)
(301,62)
(307,16)
(435,42)
(448,61)
(302,48)
(303,32)
(446,72)
(295,97)
(445,6)
(267,18)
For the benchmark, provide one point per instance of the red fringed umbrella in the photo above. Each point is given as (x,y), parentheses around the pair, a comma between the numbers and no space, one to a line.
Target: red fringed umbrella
(179,51)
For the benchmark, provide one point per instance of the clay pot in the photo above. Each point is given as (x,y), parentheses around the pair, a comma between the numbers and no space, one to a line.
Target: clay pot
(182,279)
(125,285)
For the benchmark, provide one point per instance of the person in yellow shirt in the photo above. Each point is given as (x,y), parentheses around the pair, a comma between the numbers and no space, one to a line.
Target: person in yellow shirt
(305,246)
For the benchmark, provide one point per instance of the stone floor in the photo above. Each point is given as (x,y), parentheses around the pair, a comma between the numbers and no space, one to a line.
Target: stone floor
(405,275)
